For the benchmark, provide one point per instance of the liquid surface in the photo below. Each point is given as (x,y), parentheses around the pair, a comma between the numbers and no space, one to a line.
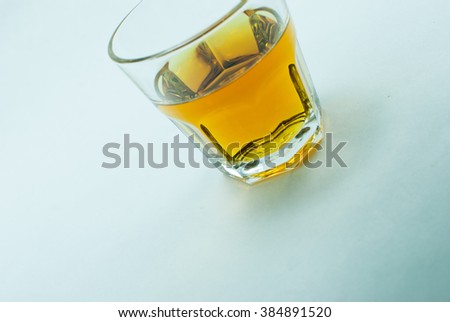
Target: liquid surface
(240,88)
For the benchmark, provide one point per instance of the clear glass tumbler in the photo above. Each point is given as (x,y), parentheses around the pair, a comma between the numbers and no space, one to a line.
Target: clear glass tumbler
(230,75)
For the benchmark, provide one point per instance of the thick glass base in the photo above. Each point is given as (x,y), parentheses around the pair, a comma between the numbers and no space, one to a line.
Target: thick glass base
(288,158)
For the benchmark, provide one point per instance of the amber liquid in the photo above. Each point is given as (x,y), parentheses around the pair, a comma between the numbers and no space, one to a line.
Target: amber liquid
(241,94)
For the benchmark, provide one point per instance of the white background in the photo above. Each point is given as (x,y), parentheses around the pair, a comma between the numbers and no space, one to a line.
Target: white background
(378,230)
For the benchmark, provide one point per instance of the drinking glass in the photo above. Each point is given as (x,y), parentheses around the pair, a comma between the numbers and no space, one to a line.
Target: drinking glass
(230,75)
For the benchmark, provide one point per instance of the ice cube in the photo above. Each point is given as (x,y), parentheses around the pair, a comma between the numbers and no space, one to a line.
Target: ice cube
(170,87)
(205,54)
(265,25)
(225,55)
(234,42)
(193,66)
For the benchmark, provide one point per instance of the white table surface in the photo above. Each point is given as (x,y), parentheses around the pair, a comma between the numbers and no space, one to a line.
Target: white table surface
(378,230)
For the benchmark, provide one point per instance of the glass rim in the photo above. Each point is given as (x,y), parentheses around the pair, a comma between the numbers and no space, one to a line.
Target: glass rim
(180,45)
